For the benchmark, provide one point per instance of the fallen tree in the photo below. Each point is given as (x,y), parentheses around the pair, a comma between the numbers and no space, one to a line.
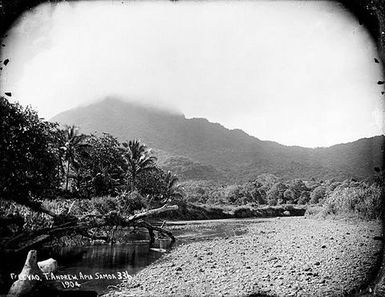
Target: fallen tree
(16,240)
(67,224)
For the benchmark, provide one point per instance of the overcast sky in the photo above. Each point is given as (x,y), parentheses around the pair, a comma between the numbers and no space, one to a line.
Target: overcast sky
(299,73)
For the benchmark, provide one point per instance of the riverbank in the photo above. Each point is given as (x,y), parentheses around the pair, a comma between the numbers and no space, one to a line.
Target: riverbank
(275,257)
(189,211)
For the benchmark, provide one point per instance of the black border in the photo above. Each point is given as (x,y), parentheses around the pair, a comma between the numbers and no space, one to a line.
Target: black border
(370,13)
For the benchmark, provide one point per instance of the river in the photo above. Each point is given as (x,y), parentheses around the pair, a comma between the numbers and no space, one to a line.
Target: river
(100,266)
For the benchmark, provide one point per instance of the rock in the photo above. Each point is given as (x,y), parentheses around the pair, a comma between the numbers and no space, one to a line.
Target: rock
(48,266)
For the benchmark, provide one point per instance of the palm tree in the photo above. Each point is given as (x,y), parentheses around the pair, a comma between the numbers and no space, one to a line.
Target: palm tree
(71,149)
(173,190)
(139,159)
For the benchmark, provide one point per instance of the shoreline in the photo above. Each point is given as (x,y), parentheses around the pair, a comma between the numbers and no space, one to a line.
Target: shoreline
(277,257)
(193,212)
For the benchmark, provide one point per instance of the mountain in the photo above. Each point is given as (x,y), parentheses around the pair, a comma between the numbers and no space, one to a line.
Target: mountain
(198,149)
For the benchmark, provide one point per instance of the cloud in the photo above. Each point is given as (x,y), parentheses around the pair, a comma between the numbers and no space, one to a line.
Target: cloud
(379,119)
(294,72)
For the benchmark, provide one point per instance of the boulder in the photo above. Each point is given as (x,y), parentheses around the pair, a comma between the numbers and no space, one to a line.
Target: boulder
(48,266)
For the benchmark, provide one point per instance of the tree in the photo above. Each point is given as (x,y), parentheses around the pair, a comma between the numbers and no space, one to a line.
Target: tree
(253,193)
(317,195)
(29,156)
(103,168)
(159,186)
(304,198)
(275,194)
(151,183)
(260,195)
(289,196)
(297,186)
(138,159)
(266,181)
(233,193)
(173,190)
(73,147)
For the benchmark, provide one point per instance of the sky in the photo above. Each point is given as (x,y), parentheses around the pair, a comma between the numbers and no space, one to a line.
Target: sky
(295,72)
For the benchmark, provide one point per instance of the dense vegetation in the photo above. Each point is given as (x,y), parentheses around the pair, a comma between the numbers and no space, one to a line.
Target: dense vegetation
(48,172)
(347,198)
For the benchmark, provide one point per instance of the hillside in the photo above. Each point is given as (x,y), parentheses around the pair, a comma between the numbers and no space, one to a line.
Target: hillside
(198,149)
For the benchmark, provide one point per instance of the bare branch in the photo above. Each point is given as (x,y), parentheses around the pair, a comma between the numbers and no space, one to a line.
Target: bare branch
(152,212)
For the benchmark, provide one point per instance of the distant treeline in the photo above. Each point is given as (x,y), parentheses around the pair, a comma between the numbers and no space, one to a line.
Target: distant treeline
(349,197)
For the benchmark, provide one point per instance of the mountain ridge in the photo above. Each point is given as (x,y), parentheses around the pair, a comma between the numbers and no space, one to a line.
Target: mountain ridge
(228,154)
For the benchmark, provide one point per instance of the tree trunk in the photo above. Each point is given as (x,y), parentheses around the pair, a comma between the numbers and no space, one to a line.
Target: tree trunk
(67,174)
(112,235)
(30,278)
(133,177)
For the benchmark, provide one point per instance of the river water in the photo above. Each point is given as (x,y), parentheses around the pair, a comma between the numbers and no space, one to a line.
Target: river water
(100,266)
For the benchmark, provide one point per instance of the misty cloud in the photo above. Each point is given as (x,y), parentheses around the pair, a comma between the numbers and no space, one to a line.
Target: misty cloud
(299,73)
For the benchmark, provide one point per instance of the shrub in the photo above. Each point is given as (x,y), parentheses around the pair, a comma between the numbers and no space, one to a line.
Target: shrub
(314,211)
(332,186)
(362,201)
(105,204)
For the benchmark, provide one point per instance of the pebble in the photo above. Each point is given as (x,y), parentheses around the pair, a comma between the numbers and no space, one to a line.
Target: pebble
(235,267)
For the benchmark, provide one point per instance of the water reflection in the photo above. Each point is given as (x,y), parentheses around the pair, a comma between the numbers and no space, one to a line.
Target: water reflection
(104,259)
(137,254)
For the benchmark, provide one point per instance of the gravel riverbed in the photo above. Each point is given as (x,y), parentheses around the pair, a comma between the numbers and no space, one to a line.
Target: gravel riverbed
(293,256)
